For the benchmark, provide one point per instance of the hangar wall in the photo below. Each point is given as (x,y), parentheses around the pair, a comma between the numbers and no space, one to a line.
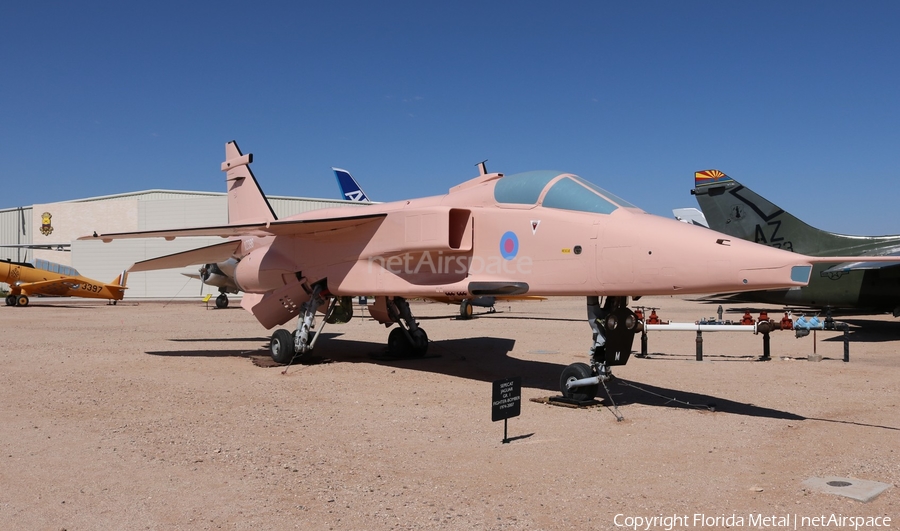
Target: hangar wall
(138,211)
(15,229)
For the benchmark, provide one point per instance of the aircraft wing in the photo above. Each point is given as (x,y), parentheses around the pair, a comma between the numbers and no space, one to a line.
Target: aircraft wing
(204,255)
(46,246)
(288,227)
(54,287)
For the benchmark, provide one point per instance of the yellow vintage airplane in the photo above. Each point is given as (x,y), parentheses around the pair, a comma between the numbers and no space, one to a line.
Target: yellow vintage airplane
(56,280)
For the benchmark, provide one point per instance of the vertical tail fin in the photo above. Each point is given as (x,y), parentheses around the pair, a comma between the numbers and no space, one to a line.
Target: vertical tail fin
(246,201)
(350,189)
(738,211)
(117,287)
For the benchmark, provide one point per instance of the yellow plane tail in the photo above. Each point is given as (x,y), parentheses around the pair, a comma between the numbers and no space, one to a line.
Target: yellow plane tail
(120,281)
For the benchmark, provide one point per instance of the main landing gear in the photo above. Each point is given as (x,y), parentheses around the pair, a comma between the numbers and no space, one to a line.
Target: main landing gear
(285,346)
(17,300)
(222,301)
(614,327)
(407,340)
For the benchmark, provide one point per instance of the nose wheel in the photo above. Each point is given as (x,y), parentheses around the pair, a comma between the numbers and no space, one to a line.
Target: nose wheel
(614,327)
(573,373)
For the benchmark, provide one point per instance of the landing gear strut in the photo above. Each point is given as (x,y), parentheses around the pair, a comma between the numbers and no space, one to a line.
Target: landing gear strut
(286,346)
(408,340)
(614,327)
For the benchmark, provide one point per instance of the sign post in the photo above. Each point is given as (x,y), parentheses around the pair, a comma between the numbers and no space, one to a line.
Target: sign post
(506,401)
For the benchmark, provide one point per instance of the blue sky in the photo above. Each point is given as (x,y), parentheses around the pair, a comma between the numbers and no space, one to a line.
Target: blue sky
(799,100)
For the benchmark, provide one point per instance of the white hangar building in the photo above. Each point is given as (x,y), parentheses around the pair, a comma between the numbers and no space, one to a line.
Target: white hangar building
(64,222)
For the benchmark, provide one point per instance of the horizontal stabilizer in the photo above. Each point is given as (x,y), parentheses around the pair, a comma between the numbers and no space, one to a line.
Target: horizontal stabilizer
(850,263)
(846,267)
(204,255)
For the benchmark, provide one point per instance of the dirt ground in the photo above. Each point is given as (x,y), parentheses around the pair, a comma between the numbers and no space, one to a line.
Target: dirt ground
(153,415)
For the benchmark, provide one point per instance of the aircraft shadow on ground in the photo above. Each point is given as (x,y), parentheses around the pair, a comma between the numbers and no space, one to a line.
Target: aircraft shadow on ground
(626,392)
(224,339)
(865,331)
(685,355)
(262,349)
(499,314)
(487,359)
(65,306)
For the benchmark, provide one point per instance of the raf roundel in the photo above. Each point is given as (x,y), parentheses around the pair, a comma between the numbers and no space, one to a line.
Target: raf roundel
(509,245)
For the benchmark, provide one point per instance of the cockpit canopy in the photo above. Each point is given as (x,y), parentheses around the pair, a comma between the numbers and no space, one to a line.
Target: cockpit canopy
(563,191)
(53,267)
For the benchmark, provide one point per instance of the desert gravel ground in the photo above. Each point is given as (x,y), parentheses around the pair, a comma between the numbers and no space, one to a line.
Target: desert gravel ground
(155,415)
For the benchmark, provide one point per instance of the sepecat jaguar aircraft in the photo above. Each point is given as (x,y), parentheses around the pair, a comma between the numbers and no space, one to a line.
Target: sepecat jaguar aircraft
(539,233)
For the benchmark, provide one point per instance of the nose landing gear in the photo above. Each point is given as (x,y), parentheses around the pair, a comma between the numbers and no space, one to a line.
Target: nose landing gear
(614,326)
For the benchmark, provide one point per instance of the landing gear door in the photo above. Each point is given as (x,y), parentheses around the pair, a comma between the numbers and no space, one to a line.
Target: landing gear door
(621,325)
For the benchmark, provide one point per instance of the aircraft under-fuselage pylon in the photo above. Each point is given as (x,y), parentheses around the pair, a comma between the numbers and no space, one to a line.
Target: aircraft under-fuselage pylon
(539,233)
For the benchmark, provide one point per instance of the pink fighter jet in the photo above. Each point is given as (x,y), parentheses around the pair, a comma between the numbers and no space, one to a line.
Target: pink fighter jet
(540,233)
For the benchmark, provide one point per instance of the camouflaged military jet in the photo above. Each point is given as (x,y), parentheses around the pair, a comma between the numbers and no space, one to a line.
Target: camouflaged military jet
(539,233)
(738,211)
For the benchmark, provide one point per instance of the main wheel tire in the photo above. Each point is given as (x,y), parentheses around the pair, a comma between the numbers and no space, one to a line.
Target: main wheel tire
(420,343)
(398,344)
(22,300)
(282,346)
(465,309)
(222,301)
(577,371)
(10,300)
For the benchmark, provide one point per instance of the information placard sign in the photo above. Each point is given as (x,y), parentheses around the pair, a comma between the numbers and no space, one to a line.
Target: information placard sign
(507,399)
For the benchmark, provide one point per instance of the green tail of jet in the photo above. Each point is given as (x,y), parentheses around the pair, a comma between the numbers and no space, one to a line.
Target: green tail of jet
(738,211)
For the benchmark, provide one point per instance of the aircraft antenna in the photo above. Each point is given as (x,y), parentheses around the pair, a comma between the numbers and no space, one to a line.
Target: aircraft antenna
(482,167)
